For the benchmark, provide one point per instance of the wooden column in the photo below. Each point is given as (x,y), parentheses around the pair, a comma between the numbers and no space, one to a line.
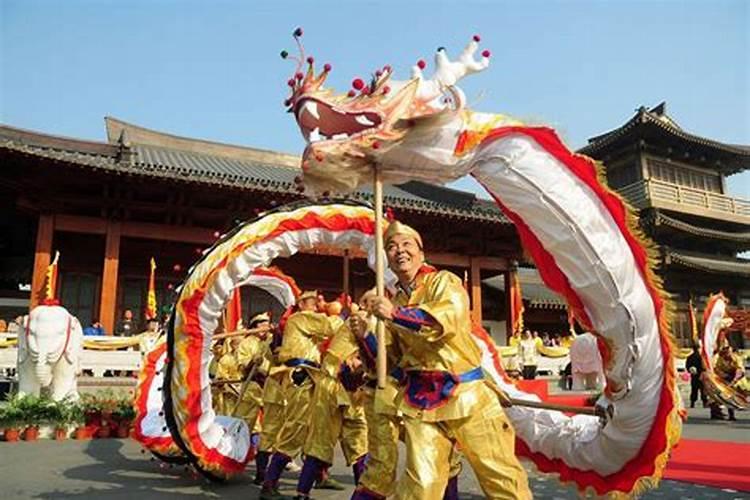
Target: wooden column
(42,257)
(345,285)
(108,300)
(476,291)
(510,305)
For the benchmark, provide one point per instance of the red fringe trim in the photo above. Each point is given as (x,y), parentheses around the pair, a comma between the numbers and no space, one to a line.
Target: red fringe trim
(644,464)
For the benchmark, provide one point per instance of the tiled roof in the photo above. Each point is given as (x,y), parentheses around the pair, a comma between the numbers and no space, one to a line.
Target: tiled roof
(176,158)
(708,263)
(742,238)
(734,158)
(534,292)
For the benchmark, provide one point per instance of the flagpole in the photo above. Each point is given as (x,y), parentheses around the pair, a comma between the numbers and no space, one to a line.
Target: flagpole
(379,273)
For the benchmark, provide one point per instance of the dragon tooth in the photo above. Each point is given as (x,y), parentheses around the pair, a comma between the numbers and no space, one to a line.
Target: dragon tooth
(339,137)
(363,120)
(315,135)
(312,108)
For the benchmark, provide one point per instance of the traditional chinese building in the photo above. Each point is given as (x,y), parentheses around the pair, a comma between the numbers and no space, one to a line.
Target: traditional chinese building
(678,182)
(108,207)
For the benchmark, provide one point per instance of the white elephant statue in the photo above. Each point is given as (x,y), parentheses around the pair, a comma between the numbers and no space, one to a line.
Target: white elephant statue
(586,361)
(49,352)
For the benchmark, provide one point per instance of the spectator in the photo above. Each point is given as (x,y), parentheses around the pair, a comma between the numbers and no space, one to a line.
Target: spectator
(3,326)
(127,326)
(694,365)
(95,328)
(527,349)
(150,337)
(16,325)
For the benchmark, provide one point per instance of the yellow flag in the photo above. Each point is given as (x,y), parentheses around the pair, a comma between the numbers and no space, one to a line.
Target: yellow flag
(151,298)
(51,281)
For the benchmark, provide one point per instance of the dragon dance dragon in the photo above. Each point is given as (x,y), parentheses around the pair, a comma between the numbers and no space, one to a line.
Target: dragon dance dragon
(717,317)
(581,236)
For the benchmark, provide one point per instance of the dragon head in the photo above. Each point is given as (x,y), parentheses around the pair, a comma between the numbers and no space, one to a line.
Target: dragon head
(348,135)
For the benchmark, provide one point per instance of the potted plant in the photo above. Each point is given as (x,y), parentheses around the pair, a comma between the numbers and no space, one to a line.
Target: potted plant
(124,415)
(29,406)
(90,408)
(63,418)
(77,417)
(10,417)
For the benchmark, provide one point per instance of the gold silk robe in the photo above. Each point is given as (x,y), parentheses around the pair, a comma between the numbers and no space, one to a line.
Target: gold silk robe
(336,416)
(303,332)
(470,417)
(445,346)
(253,355)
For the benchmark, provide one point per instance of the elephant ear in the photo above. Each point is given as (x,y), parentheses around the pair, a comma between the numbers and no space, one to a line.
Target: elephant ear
(23,345)
(75,342)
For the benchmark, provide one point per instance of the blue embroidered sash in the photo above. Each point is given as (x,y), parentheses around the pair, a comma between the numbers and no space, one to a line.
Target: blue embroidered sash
(428,389)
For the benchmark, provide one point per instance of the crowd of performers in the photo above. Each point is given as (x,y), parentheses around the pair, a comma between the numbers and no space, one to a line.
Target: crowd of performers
(314,377)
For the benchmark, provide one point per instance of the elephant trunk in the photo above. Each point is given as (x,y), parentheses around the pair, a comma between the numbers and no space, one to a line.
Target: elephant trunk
(43,371)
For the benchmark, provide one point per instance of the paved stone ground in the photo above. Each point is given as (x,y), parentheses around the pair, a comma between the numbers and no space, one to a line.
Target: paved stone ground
(116,469)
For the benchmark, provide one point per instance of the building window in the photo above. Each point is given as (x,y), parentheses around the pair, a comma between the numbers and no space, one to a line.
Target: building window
(683,176)
(79,293)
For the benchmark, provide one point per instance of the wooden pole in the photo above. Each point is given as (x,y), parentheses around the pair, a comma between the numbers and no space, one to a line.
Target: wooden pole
(582,410)
(379,274)
(345,284)
(241,333)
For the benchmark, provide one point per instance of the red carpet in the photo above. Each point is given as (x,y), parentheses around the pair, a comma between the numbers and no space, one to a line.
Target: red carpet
(721,464)
(569,399)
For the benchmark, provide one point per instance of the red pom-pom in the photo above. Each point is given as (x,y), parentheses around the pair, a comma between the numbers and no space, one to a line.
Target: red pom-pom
(376,145)
(310,60)
(421,64)
(477,38)
(387,68)
(378,73)
(358,84)
(326,67)
(299,76)
(351,93)
(486,53)
(290,82)
(386,89)
(287,102)
(298,32)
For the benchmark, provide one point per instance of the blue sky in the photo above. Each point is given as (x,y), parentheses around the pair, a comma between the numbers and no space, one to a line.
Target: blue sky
(211,69)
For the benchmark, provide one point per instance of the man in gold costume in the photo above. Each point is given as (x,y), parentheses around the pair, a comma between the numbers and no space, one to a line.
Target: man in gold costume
(447,400)
(299,361)
(337,412)
(731,370)
(253,357)
(383,421)
(227,376)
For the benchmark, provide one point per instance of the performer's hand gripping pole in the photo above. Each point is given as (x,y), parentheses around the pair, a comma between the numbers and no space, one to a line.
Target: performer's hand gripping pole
(379,272)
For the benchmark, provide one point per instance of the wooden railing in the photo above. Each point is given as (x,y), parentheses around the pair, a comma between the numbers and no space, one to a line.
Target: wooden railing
(656,193)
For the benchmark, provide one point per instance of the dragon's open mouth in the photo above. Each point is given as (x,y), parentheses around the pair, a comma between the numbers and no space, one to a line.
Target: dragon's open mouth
(321,122)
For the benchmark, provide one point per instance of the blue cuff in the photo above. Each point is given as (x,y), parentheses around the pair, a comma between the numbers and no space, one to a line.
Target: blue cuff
(412,318)
(371,345)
